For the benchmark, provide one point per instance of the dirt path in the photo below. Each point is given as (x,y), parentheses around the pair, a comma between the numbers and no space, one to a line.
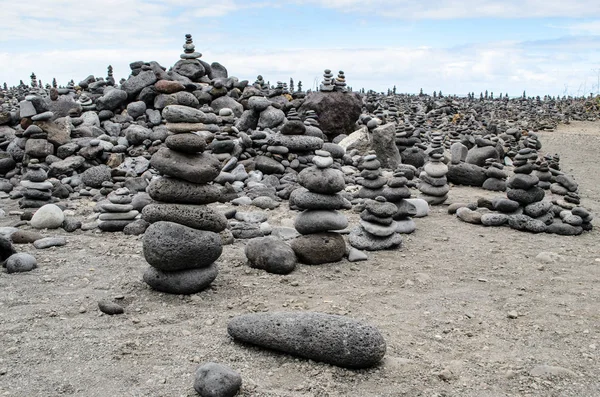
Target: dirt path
(442,303)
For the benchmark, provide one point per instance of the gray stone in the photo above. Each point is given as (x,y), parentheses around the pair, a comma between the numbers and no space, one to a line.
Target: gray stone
(306,200)
(50,216)
(111,99)
(478,155)
(270,254)
(227,102)
(50,242)
(469,216)
(185,114)
(197,168)
(172,190)
(466,174)
(181,282)
(383,142)
(361,239)
(319,248)
(324,181)
(526,197)
(316,221)
(217,380)
(21,262)
(494,219)
(195,216)
(271,118)
(135,84)
(526,223)
(40,148)
(268,165)
(335,340)
(337,111)
(186,143)
(137,134)
(95,176)
(170,246)
(136,228)
(110,308)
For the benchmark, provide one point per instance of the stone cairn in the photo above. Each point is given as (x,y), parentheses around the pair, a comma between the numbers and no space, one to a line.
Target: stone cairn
(118,212)
(377,229)
(496,176)
(320,199)
(38,190)
(328,83)
(372,182)
(182,243)
(397,192)
(434,185)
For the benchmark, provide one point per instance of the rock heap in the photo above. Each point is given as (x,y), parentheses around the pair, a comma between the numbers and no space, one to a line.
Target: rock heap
(37,189)
(377,229)
(320,200)
(372,181)
(182,243)
(434,185)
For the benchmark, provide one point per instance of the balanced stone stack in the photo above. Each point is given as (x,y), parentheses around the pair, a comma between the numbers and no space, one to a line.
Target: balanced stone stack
(397,192)
(523,185)
(496,176)
(38,190)
(327,85)
(542,171)
(182,243)
(340,82)
(377,229)
(117,212)
(321,201)
(372,182)
(434,185)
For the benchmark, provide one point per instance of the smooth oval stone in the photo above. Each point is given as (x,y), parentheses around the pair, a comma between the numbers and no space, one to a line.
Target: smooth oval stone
(198,168)
(172,190)
(325,181)
(381,209)
(184,114)
(110,308)
(335,340)
(195,216)
(114,225)
(436,169)
(50,242)
(36,185)
(170,246)
(319,248)
(405,226)
(181,282)
(362,240)
(270,254)
(217,380)
(25,236)
(523,181)
(437,191)
(526,197)
(50,216)
(315,221)
(118,216)
(469,216)
(322,162)
(564,229)
(494,219)
(306,200)
(421,206)
(110,207)
(505,205)
(21,262)
(186,143)
(379,230)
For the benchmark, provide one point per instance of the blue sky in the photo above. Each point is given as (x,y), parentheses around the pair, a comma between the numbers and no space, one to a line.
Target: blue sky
(503,46)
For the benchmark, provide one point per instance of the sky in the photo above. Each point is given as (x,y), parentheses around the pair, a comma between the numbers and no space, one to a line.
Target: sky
(540,46)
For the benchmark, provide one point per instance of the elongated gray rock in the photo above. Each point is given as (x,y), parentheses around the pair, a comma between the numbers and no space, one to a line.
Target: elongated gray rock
(336,340)
(196,168)
(172,190)
(181,282)
(195,216)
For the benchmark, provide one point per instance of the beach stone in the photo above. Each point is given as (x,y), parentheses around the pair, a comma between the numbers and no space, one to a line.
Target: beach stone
(523,181)
(567,181)
(49,216)
(95,176)
(405,226)
(315,221)
(337,111)
(494,219)
(217,380)
(186,143)
(25,236)
(526,197)
(306,200)
(135,84)
(181,282)
(111,99)
(505,205)
(185,114)
(170,246)
(110,308)
(466,174)
(136,228)
(319,248)
(172,190)
(324,181)
(113,225)
(6,248)
(469,216)
(270,254)
(270,118)
(332,339)
(197,168)
(478,155)
(268,165)
(538,208)
(195,216)
(265,202)
(564,229)
(48,242)
(21,262)
(526,223)
(384,144)
(360,239)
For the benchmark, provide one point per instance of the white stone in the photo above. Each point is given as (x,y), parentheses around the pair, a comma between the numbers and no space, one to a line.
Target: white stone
(49,216)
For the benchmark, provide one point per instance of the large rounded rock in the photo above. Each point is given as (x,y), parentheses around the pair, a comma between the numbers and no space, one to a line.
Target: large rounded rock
(466,174)
(324,181)
(316,221)
(181,282)
(173,190)
(21,262)
(227,102)
(50,216)
(270,254)
(217,380)
(196,168)
(137,134)
(478,155)
(195,216)
(526,197)
(268,165)
(336,340)
(95,176)
(270,118)
(337,111)
(306,200)
(186,143)
(170,246)
(319,248)
(111,100)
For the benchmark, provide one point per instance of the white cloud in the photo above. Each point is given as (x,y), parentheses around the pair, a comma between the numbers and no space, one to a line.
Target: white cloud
(499,67)
(452,9)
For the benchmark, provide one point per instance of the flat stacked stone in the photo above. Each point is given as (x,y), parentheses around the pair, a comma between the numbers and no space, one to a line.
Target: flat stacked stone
(327,85)
(377,229)
(340,82)
(542,171)
(372,181)
(320,202)
(183,242)
(496,176)
(397,192)
(523,185)
(37,189)
(434,185)
(117,212)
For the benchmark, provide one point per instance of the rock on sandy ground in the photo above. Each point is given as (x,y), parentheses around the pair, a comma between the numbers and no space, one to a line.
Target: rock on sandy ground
(465,310)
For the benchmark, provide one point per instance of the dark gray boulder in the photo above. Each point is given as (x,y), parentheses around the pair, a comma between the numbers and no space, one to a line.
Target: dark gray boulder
(466,174)
(337,112)
(172,190)
(95,176)
(181,282)
(270,254)
(336,340)
(217,380)
(195,216)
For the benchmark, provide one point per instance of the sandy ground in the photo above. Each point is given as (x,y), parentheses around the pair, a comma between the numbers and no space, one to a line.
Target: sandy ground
(442,303)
